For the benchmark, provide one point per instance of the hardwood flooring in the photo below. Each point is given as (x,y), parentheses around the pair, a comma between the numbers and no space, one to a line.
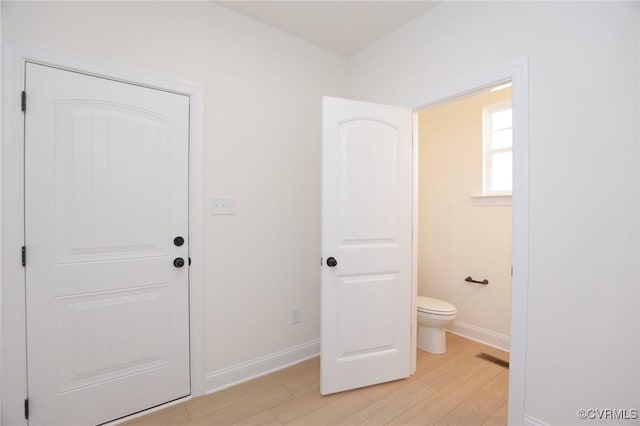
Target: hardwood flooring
(453,388)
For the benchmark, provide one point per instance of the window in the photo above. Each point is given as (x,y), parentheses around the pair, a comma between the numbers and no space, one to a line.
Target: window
(498,144)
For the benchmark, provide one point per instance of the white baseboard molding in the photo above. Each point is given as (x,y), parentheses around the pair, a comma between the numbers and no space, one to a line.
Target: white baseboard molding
(479,334)
(226,377)
(532,421)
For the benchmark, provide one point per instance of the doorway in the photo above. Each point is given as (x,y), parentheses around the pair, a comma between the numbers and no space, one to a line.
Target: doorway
(518,74)
(464,217)
(106,238)
(17,401)
(464,225)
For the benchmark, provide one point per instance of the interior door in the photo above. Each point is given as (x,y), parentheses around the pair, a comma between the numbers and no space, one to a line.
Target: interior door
(366,244)
(106,194)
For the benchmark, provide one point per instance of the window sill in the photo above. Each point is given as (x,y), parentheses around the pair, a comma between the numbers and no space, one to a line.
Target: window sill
(491,200)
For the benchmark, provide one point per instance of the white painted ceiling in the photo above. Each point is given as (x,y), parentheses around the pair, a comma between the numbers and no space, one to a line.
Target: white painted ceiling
(344,27)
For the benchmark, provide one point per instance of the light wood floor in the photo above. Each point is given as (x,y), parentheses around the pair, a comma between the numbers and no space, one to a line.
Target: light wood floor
(454,388)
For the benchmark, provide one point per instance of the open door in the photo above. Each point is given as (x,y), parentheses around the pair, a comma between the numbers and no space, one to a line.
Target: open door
(366,244)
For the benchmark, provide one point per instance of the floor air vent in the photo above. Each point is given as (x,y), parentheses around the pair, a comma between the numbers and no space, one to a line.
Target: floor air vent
(493,359)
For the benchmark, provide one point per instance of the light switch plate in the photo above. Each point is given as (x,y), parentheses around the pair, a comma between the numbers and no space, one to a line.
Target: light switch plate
(222,206)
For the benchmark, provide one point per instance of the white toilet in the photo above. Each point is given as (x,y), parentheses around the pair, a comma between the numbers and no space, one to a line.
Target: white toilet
(433,317)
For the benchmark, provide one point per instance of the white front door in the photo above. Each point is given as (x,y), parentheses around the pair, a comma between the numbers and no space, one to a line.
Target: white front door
(106,193)
(366,244)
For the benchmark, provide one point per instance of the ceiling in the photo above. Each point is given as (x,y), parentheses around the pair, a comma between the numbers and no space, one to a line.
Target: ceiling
(344,27)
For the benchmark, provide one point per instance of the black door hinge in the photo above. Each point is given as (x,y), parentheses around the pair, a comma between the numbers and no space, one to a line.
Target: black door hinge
(24,101)
(26,408)
(24,256)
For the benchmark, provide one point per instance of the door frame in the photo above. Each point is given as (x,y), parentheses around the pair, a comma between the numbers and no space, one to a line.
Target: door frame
(12,279)
(518,73)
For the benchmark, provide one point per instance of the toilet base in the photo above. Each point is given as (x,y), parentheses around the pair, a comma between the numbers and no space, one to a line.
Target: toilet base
(432,340)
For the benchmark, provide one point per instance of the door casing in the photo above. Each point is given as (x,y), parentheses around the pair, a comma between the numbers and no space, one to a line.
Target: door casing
(518,73)
(12,281)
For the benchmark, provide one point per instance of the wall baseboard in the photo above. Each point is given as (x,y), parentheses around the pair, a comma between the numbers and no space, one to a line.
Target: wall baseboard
(229,376)
(532,421)
(482,335)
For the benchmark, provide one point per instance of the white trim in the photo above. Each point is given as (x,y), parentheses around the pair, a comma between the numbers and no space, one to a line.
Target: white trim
(1,141)
(239,373)
(479,334)
(14,366)
(414,248)
(532,421)
(15,55)
(518,73)
(491,200)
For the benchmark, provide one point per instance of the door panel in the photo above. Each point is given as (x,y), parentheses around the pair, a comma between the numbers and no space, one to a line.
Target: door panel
(106,191)
(367,181)
(92,349)
(363,332)
(366,227)
(113,209)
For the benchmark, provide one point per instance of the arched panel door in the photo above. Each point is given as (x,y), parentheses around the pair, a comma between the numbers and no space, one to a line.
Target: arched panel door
(366,244)
(106,193)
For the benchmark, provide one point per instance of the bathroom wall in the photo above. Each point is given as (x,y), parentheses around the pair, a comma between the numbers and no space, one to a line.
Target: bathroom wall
(458,237)
(582,339)
(263,92)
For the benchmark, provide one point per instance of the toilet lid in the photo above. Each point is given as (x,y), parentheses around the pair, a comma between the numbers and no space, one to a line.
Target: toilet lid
(429,304)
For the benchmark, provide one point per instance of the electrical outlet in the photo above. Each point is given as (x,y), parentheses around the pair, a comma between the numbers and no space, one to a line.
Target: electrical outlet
(295,315)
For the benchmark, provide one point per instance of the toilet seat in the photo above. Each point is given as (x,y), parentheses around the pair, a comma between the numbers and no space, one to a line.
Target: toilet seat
(429,305)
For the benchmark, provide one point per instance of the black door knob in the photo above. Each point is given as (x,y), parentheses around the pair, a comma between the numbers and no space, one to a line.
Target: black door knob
(178,262)
(178,241)
(332,262)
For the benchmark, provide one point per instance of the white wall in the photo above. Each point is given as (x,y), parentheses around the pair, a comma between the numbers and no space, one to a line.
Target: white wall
(582,349)
(456,236)
(262,135)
